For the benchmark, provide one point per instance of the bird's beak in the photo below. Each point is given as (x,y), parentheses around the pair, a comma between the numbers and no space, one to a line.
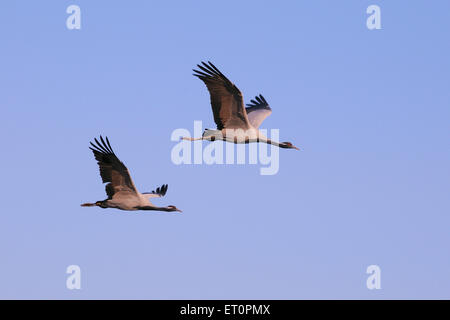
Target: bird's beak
(179,210)
(296,148)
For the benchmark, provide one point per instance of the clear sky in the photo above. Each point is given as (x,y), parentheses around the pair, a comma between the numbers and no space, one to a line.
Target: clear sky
(369,108)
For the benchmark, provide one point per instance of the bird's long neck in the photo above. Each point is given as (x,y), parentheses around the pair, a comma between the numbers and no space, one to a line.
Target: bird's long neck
(274,143)
(167,209)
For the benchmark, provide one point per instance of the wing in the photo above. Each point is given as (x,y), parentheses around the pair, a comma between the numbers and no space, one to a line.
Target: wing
(112,170)
(257,111)
(226,99)
(159,192)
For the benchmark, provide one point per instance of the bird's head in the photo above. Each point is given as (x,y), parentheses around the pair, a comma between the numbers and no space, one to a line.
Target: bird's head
(173,208)
(288,145)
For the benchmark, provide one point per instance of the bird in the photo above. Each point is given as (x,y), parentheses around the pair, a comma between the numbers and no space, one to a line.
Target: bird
(235,122)
(121,191)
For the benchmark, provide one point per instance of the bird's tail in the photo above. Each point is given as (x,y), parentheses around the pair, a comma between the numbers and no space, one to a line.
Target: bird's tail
(88,204)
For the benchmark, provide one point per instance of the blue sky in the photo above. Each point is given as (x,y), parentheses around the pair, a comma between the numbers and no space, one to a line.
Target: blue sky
(370,109)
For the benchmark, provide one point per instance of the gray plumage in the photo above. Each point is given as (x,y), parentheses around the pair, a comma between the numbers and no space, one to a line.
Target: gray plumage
(235,123)
(120,189)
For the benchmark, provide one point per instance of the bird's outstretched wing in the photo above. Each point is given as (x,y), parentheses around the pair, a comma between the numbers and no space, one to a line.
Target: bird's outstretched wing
(226,99)
(112,170)
(257,111)
(159,192)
